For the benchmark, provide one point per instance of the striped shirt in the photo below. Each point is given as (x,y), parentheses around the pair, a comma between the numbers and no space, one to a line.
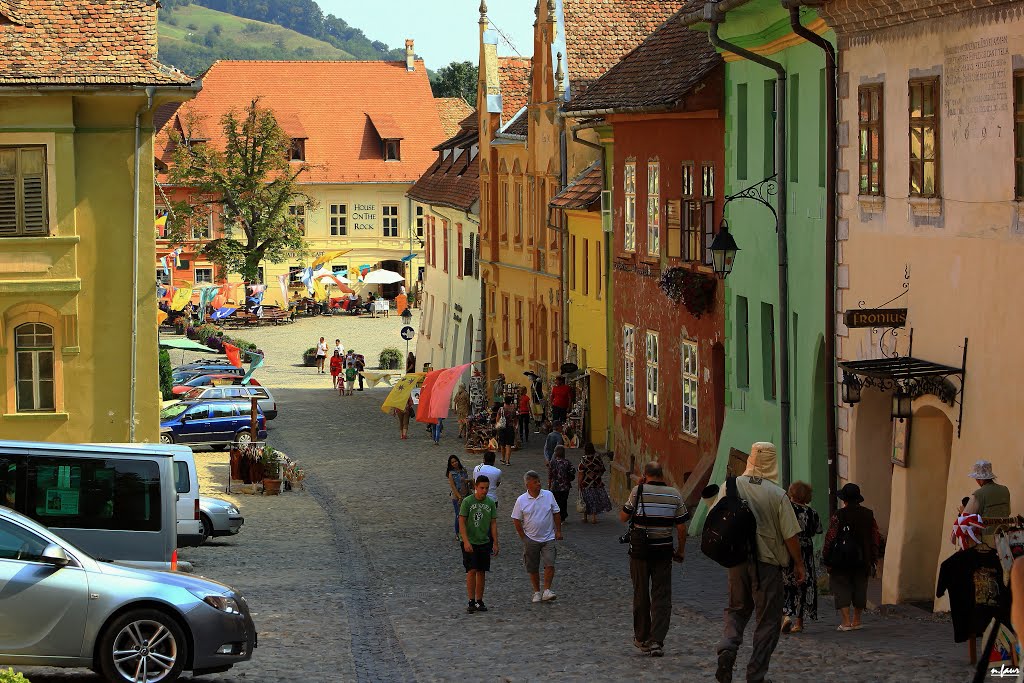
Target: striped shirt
(661,510)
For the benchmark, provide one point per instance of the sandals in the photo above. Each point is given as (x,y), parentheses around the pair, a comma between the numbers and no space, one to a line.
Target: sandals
(844,628)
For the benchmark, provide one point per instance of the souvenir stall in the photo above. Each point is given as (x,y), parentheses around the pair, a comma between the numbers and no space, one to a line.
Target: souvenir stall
(575,433)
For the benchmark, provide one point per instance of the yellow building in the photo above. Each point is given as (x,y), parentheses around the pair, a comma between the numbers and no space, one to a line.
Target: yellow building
(78,333)
(366,132)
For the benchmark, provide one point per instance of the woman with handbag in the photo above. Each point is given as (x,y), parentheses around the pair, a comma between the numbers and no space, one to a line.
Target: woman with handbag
(850,553)
(505,424)
(593,497)
(458,482)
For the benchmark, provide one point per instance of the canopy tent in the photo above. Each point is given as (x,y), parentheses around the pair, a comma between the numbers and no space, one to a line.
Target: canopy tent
(185,345)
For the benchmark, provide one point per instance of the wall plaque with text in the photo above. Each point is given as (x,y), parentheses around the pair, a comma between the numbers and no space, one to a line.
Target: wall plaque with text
(876,317)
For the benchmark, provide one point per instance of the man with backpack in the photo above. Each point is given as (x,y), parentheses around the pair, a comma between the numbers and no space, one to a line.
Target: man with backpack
(652,510)
(756,582)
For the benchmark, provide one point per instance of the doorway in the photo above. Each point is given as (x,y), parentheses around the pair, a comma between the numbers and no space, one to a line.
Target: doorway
(467,351)
(389,292)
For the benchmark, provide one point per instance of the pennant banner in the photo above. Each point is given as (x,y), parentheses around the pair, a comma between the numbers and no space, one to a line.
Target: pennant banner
(206,296)
(375,378)
(161,316)
(399,396)
(282,281)
(328,257)
(234,355)
(423,413)
(181,298)
(441,393)
(319,291)
(255,363)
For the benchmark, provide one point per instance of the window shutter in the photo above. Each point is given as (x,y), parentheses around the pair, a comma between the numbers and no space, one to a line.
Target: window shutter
(8,192)
(33,181)
(674,231)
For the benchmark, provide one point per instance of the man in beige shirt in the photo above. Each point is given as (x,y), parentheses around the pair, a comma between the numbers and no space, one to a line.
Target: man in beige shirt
(758,585)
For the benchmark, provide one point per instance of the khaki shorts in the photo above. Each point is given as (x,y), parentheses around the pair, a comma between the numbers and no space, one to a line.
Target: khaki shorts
(534,552)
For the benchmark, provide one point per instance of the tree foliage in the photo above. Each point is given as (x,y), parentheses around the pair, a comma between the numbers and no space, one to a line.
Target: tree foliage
(250,183)
(458,79)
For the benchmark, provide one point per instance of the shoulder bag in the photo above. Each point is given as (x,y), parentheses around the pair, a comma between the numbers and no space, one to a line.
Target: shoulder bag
(635,536)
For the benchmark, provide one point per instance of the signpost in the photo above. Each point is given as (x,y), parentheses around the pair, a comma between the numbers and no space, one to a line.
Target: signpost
(407,334)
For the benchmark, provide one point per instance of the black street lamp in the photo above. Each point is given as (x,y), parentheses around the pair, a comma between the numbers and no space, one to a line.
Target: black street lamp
(407,316)
(851,389)
(723,251)
(902,404)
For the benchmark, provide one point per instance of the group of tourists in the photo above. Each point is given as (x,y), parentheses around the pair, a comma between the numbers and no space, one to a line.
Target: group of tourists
(345,367)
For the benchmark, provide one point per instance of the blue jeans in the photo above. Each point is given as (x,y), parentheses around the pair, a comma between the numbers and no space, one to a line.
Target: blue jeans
(457,505)
(438,428)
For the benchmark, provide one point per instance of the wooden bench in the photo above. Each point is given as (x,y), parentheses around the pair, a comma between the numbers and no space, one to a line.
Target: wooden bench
(277,316)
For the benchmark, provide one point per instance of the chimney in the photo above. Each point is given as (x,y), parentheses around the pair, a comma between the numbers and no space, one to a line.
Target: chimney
(410,55)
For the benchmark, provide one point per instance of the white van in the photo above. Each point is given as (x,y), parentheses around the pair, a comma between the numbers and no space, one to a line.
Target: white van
(186,485)
(114,501)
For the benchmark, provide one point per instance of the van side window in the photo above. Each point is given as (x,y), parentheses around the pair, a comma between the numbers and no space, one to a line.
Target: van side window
(19,544)
(181,478)
(94,493)
(9,481)
(214,393)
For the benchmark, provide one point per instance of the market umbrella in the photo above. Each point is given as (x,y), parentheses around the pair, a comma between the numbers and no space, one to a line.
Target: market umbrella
(185,345)
(383,277)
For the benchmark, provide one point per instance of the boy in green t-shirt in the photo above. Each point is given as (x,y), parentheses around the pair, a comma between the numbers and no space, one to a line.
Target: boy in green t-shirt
(350,379)
(478,528)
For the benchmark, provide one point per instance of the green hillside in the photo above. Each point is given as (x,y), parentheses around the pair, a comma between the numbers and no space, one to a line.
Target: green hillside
(192,37)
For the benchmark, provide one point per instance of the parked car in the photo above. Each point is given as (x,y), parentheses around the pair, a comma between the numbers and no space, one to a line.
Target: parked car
(236,393)
(186,485)
(64,608)
(219,379)
(211,423)
(184,373)
(219,517)
(115,501)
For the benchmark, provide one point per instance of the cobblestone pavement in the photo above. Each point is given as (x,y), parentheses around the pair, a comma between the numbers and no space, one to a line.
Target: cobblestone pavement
(360,579)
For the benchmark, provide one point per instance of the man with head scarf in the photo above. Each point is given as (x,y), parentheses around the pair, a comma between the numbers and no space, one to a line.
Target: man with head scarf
(757,583)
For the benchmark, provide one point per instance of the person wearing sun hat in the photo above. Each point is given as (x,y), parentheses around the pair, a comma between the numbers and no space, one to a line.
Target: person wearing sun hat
(849,583)
(991,499)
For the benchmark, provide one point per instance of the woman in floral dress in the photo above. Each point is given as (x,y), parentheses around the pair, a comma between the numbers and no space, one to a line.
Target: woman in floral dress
(590,485)
(801,600)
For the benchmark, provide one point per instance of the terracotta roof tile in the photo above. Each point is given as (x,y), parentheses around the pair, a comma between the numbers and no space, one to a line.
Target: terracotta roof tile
(514,81)
(386,126)
(334,103)
(661,71)
(599,32)
(453,111)
(584,190)
(94,42)
(452,181)
(519,126)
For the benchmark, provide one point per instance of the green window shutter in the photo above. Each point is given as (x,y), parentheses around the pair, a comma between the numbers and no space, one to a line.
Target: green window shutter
(8,192)
(33,188)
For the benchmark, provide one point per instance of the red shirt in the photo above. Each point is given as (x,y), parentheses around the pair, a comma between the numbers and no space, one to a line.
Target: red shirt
(335,365)
(524,405)
(561,396)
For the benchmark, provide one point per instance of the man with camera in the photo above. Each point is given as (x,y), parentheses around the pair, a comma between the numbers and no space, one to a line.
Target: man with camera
(652,510)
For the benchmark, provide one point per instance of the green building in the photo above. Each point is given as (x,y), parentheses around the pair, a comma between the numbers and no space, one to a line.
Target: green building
(752,323)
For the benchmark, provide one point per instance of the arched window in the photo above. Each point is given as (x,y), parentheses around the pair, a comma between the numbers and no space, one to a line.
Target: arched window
(34,358)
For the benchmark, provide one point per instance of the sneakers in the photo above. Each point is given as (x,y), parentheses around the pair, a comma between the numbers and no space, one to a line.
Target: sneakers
(480,606)
(726,660)
(655,650)
(537,597)
(644,645)
(471,607)
(548,596)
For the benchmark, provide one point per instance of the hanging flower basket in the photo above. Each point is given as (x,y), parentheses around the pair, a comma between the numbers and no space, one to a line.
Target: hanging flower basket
(695,291)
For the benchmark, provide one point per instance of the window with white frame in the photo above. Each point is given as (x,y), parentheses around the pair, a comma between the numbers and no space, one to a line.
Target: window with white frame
(653,208)
(34,375)
(651,356)
(339,219)
(691,385)
(629,207)
(299,212)
(419,222)
(390,213)
(629,367)
(204,275)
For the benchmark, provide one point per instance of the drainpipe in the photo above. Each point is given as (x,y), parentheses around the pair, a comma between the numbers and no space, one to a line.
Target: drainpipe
(563,142)
(831,216)
(715,17)
(134,364)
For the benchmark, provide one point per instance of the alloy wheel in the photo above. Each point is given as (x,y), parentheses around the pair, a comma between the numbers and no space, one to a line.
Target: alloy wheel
(145,651)
(244,438)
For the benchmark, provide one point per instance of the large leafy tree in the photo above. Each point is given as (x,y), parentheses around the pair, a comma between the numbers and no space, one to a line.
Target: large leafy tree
(250,182)
(458,79)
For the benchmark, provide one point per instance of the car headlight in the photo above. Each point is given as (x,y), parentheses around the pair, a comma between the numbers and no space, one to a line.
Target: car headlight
(219,602)
(232,510)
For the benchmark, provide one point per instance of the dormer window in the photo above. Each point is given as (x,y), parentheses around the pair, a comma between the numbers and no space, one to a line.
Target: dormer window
(297,150)
(392,150)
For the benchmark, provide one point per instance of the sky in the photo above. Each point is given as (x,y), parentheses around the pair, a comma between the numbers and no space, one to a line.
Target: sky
(445,31)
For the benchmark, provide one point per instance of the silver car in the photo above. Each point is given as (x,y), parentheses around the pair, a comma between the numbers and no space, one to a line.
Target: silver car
(233,392)
(63,608)
(219,517)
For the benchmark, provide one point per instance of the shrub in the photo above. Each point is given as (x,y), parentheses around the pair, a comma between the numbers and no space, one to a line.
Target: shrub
(190,332)
(390,358)
(192,27)
(165,382)
(11,676)
(207,330)
(309,356)
(179,325)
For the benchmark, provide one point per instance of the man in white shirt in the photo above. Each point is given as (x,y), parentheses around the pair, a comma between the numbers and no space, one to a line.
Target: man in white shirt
(538,523)
(493,474)
(339,347)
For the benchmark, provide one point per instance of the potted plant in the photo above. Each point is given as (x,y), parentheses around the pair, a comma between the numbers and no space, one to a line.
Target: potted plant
(271,472)
(389,359)
(293,476)
(309,357)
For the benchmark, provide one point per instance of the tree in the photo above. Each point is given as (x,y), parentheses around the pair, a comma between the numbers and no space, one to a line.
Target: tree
(458,79)
(252,185)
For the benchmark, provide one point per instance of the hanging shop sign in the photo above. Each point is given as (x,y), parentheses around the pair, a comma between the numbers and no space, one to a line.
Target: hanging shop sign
(876,317)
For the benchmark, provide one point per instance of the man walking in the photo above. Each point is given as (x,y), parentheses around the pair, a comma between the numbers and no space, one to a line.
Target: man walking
(654,507)
(553,440)
(360,363)
(478,527)
(757,584)
(561,399)
(493,474)
(535,516)
(561,475)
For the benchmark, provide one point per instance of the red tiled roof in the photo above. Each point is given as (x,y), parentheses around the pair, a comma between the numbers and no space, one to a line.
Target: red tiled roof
(514,81)
(334,103)
(660,72)
(519,126)
(386,126)
(163,113)
(452,181)
(96,42)
(453,111)
(599,32)
(584,190)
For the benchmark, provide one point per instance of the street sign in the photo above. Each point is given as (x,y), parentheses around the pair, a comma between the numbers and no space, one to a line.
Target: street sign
(408,333)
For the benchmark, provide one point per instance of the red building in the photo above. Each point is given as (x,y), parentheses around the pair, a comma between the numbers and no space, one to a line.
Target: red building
(659,111)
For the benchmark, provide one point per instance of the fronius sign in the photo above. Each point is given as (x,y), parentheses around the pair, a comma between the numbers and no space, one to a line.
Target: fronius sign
(877,317)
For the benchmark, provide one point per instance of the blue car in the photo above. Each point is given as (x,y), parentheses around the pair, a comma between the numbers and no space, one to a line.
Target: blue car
(209,423)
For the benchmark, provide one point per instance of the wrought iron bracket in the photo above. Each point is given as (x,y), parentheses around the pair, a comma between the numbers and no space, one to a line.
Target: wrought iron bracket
(760,192)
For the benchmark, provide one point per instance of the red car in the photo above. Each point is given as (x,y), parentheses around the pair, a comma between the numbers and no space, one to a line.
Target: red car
(208,380)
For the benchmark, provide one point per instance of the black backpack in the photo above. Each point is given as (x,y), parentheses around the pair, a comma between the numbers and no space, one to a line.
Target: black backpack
(730,529)
(845,553)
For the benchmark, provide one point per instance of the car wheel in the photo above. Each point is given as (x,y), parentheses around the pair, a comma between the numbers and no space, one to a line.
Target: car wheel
(166,438)
(143,645)
(207,530)
(243,438)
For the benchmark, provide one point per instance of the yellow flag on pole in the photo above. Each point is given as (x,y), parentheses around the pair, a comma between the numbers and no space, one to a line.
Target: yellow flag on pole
(328,257)
(399,396)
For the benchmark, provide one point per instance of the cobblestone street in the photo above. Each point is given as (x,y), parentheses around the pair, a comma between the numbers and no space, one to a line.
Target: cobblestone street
(359,577)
